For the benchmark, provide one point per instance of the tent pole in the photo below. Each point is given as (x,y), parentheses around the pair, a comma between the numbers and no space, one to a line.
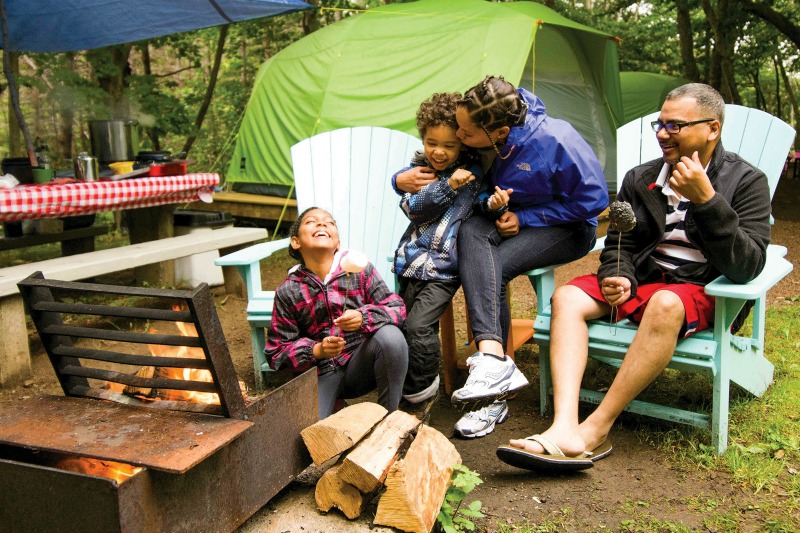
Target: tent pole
(12,87)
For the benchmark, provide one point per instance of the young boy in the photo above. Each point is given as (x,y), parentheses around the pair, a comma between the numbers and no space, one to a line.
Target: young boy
(355,351)
(426,259)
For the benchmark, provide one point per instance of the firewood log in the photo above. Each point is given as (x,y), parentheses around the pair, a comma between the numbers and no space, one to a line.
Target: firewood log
(366,466)
(331,492)
(147,392)
(417,483)
(341,431)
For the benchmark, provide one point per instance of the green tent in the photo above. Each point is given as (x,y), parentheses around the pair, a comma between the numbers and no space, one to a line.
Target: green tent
(375,68)
(644,92)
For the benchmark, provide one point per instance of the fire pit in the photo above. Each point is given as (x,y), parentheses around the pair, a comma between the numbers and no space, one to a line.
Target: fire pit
(116,453)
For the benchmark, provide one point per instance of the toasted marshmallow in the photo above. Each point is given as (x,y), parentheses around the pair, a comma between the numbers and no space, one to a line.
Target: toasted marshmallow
(354,261)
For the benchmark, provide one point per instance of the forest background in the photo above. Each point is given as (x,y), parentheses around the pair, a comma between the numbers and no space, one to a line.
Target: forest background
(189,91)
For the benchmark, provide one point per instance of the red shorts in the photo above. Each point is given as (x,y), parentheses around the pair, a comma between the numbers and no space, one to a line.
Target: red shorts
(698,305)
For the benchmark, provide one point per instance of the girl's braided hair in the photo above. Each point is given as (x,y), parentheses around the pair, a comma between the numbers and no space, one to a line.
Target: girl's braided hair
(494,103)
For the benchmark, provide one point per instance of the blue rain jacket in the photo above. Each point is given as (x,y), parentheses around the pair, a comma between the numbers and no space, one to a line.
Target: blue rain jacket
(554,172)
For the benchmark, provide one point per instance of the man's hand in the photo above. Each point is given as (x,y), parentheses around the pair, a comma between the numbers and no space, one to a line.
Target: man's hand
(507,225)
(414,179)
(349,321)
(459,178)
(616,290)
(689,179)
(329,347)
(499,198)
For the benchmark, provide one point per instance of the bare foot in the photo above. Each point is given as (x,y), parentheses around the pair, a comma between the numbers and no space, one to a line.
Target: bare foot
(572,445)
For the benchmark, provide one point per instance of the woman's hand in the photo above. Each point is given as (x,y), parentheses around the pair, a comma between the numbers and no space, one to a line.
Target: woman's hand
(499,198)
(414,179)
(329,347)
(460,178)
(349,321)
(507,225)
(616,290)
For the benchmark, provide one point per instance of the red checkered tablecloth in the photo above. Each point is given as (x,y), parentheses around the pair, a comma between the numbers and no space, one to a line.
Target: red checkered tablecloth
(54,201)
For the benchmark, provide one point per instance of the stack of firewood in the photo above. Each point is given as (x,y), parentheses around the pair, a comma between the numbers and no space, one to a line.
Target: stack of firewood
(396,452)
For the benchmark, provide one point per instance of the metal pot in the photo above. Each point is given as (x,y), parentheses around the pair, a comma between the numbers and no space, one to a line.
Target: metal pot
(114,140)
(86,167)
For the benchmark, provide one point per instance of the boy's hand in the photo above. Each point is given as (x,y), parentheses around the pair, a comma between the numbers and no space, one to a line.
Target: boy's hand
(616,290)
(329,347)
(350,321)
(499,198)
(460,178)
(414,179)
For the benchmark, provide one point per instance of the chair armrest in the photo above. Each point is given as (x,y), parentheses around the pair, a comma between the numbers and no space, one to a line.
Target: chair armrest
(776,269)
(252,254)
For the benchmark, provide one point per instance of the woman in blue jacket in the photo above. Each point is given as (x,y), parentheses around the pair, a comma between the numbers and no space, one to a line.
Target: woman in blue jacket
(556,189)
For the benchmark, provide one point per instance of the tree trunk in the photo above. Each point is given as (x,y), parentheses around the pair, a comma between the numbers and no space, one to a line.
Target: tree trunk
(789,89)
(781,22)
(686,39)
(66,113)
(152,134)
(212,83)
(14,132)
(723,26)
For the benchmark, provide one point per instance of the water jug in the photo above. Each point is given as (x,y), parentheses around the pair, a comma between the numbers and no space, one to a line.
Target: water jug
(86,167)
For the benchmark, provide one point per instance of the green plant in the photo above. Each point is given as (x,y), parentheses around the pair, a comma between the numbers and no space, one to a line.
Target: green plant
(452,517)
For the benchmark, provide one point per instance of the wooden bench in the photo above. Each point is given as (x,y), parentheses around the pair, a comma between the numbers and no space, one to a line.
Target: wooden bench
(73,241)
(247,205)
(14,350)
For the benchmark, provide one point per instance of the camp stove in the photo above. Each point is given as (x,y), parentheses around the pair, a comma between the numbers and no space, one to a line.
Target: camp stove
(130,446)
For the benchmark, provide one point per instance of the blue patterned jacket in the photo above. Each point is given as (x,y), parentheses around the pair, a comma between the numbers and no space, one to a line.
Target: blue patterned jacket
(427,250)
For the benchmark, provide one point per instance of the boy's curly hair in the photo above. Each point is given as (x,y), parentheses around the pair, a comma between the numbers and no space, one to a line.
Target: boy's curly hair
(438,110)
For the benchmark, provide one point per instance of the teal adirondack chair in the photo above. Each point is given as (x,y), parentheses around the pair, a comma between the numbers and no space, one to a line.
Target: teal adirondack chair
(764,141)
(346,172)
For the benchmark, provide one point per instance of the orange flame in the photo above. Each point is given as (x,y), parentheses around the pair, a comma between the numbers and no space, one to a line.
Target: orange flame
(119,472)
(192,374)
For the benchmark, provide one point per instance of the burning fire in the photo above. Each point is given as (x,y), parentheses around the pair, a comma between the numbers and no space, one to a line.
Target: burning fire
(186,329)
(119,472)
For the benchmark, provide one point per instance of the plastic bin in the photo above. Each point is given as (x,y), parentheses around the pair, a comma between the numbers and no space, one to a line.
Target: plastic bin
(199,268)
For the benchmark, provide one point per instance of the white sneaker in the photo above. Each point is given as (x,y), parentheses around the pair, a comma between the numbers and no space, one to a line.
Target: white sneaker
(481,422)
(490,379)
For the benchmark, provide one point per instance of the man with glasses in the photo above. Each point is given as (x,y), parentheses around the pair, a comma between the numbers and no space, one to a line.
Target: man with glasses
(700,212)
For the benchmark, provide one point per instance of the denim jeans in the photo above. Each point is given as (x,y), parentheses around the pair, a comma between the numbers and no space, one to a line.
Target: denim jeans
(425,301)
(487,262)
(381,361)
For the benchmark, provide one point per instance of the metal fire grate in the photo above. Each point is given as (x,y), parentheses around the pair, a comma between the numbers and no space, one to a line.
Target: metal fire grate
(168,435)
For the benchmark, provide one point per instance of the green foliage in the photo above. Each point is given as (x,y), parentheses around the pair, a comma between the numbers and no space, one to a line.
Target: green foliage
(454,518)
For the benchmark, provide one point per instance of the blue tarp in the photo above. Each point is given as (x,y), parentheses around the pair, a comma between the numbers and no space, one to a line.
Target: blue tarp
(68,25)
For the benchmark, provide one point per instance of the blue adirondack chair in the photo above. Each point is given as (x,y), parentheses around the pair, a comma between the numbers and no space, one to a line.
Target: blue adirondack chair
(764,141)
(346,172)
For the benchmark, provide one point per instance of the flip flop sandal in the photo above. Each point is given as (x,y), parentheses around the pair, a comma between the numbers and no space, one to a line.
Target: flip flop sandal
(553,460)
(601,451)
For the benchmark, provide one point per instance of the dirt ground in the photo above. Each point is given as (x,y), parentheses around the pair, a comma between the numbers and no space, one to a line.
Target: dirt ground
(636,481)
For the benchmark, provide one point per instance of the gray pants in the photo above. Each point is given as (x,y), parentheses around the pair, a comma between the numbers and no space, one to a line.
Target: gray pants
(381,361)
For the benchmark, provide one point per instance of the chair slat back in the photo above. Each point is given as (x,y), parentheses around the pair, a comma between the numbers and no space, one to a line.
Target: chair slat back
(757,136)
(348,173)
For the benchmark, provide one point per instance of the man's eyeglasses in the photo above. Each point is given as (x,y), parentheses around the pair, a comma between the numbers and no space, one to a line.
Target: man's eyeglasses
(675,127)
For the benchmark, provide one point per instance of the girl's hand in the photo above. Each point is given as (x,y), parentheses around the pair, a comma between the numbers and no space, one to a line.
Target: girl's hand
(616,290)
(499,198)
(460,178)
(350,321)
(329,347)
